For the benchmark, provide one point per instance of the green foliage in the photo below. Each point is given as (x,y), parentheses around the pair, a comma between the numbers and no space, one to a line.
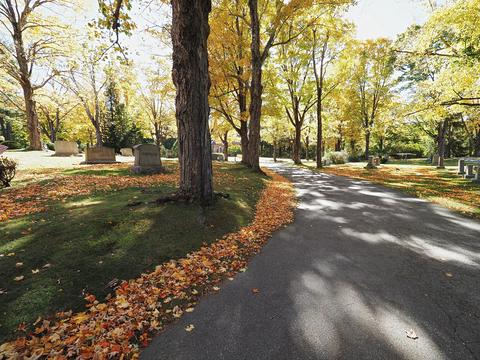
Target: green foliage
(119,129)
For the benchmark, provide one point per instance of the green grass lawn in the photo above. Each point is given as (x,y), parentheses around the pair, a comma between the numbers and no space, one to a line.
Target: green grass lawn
(83,243)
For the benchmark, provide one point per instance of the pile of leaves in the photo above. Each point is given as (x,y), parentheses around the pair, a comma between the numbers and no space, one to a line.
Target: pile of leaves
(120,326)
(442,187)
(35,197)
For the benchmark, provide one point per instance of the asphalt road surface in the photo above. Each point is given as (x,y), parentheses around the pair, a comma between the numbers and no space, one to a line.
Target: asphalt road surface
(359,267)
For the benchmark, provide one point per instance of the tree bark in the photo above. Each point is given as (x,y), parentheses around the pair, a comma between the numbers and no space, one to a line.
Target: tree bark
(225,145)
(476,147)
(367,144)
(190,31)
(33,128)
(307,145)
(256,89)
(297,145)
(442,130)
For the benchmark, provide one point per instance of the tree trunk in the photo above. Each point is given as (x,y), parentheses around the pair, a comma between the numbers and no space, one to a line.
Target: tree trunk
(255,89)
(319,129)
(338,145)
(307,145)
(442,130)
(297,144)
(225,145)
(190,32)
(275,149)
(98,136)
(476,147)
(367,144)
(33,126)
(244,142)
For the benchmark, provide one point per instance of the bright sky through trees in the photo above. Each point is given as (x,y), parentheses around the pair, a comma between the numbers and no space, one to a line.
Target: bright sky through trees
(386,18)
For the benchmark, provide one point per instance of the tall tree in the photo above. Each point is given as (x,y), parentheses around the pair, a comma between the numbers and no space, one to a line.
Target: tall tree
(20,56)
(190,31)
(372,78)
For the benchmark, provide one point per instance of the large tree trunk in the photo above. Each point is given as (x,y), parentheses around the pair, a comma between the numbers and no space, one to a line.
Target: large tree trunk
(225,145)
(255,89)
(190,32)
(244,142)
(476,146)
(297,144)
(367,144)
(319,129)
(442,130)
(307,145)
(98,136)
(33,126)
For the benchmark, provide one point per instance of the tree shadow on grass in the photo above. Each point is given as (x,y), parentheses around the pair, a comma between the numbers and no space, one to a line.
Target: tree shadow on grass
(83,243)
(360,266)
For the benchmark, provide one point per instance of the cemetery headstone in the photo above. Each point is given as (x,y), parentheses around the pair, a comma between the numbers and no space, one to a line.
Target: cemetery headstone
(147,159)
(99,155)
(66,148)
(370,164)
(469,174)
(461,167)
(126,152)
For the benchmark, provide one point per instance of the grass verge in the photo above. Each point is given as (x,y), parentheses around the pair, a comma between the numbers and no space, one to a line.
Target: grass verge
(68,245)
(123,323)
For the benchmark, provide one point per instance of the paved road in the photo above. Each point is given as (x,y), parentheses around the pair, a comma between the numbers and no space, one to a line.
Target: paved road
(360,265)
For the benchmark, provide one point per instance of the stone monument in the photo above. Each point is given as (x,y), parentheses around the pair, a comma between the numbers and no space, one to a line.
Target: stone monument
(147,159)
(99,155)
(65,148)
(126,152)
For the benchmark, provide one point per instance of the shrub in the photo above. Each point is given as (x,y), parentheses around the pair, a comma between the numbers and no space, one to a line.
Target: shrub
(8,168)
(336,157)
(50,146)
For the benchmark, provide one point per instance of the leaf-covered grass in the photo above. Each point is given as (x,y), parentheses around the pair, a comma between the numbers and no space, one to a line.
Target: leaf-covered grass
(81,243)
(443,187)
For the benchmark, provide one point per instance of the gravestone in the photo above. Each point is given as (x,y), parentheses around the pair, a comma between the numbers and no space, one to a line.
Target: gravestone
(477,176)
(66,148)
(435,159)
(147,159)
(469,174)
(99,155)
(461,167)
(370,165)
(376,161)
(126,152)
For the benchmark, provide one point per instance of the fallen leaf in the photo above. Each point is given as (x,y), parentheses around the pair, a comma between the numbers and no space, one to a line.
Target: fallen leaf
(19,265)
(448,274)
(255,291)
(177,312)
(11,254)
(189,310)
(36,271)
(3,291)
(19,278)
(411,334)
(216,288)
(189,327)
(46,266)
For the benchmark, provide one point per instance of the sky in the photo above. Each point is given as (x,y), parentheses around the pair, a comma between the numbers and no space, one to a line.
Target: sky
(386,18)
